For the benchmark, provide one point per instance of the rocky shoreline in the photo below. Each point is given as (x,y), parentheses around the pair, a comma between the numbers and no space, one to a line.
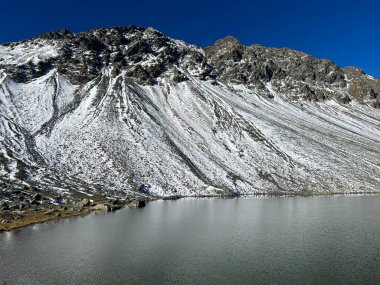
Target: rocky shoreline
(22,205)
(37,209)
(33,208)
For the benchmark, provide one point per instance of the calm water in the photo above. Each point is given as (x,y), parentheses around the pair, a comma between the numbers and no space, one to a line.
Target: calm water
(313,240)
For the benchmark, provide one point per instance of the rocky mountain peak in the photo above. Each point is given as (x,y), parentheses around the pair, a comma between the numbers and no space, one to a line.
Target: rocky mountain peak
(353,72)
(57,35)
(146,56)
(293,74)
(228,41)
(143,54)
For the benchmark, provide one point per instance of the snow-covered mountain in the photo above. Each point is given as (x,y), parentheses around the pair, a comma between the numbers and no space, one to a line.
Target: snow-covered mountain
(129,109)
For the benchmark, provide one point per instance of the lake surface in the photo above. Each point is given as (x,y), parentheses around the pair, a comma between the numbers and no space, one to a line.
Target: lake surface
(289,240)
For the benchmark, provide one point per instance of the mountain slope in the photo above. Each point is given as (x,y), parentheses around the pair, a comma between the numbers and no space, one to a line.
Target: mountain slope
(127,109)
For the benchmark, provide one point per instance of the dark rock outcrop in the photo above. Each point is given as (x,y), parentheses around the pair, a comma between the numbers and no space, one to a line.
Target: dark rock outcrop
(137,204)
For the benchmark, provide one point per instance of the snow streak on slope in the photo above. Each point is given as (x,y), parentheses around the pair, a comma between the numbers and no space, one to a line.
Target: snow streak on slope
(194,138)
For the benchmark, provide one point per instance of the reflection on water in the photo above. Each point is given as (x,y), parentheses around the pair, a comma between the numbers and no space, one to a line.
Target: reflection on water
(312,240)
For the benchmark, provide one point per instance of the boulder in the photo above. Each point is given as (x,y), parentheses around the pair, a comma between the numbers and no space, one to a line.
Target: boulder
(85,202)
(137,204)
(115,202)
(145,189)
(102,207)
(116,207)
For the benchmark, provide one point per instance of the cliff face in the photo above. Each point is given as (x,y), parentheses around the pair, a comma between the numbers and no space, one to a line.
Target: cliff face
(123,109)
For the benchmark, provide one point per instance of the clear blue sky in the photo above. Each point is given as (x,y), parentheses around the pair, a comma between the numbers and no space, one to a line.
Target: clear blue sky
(347,32)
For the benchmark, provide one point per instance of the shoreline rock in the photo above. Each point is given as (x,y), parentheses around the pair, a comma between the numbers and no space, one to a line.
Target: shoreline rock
(137,204)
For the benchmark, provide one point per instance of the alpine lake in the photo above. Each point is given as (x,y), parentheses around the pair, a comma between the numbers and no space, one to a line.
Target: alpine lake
(253,240)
